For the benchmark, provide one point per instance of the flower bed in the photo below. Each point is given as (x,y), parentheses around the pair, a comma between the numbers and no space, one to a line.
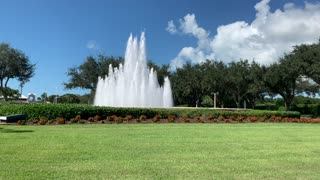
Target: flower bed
(71,111)
(169,119)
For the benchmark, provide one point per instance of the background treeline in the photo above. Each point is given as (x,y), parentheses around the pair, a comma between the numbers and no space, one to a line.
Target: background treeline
(237,84)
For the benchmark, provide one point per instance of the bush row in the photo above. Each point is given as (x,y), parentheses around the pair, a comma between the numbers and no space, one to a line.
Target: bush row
(310,109)
(68,111)
(307,109)
(169,119)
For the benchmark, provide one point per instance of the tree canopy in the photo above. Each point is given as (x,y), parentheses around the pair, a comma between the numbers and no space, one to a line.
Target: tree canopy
(235,83)
(85,76)
(14,64)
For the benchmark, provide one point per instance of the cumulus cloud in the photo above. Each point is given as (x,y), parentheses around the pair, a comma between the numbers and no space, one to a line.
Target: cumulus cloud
(189,25)
(92,45)
(171,28)
(265,39)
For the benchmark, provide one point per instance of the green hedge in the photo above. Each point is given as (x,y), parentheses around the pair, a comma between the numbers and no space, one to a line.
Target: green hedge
(267,106)
(308,109)
(68,111)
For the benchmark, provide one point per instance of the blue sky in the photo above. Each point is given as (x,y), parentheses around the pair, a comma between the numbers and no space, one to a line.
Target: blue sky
(57,35)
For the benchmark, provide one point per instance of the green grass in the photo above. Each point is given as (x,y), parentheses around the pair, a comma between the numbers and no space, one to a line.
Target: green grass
(161,151)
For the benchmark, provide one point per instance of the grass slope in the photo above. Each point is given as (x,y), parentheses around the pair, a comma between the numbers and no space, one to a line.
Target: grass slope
(161,151)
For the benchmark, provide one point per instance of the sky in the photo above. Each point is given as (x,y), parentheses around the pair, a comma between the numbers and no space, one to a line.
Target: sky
(57,34)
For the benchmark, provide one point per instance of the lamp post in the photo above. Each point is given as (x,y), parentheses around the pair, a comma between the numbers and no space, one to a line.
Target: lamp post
(56,99)
(215,99)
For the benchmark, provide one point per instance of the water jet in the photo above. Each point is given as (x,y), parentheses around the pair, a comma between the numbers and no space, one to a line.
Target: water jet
(133,84)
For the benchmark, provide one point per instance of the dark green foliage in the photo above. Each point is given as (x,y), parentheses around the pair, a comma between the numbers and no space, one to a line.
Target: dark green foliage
(206,101)
(85,76)
(14,64)
(69,99)
(188,85)
(69,111)
(308,109)
(239,79)
(267,106)
(308,57)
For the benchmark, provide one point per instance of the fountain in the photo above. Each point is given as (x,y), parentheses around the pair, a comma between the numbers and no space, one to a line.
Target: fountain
(133,84)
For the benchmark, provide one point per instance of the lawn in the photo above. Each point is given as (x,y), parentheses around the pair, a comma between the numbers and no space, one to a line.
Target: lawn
(161,151)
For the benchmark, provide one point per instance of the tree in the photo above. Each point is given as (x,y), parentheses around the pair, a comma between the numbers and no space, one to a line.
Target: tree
(104,63)
(281,78)
(256,89)
(69,98)
(85,99)
(44,97)
(187,84)
(308,59)
(52,98)
(214,80)
(21,86)
(85,76)
(11,92)
(14,64)
(238,79)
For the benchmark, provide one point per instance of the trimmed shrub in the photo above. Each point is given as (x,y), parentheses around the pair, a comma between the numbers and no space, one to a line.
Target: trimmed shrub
(143,118)
(156,118)
(21,122)
(253,119)
(91,119)
(111,118)
(211,118)
(42,121)
(96,118)
(73,120)
(118,120)
(221,118)
(267,106)
(77,118)
(240,118)
(308,109)
(171,118)
(51,121)
(128,118)
(184,119)
(60,120)
(69,111)
(81,121)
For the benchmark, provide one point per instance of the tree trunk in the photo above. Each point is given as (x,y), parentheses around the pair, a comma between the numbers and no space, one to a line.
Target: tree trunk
(4,90)
(287,103)
(4,94)
(236,99)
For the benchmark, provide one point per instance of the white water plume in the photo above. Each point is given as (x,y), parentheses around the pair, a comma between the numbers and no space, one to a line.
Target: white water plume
(133,84)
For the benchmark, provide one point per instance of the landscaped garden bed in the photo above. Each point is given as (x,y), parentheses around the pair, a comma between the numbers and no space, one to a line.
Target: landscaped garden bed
(85,114)
(170,119)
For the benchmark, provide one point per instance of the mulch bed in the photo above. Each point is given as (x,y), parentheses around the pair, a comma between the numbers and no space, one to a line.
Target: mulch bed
(160,121)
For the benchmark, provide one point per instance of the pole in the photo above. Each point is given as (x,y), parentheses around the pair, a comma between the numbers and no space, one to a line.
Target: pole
(214,100)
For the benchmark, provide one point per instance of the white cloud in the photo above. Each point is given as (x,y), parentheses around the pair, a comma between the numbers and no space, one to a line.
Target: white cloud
(171,28)
(92,45)
(189,25)
(265,39)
